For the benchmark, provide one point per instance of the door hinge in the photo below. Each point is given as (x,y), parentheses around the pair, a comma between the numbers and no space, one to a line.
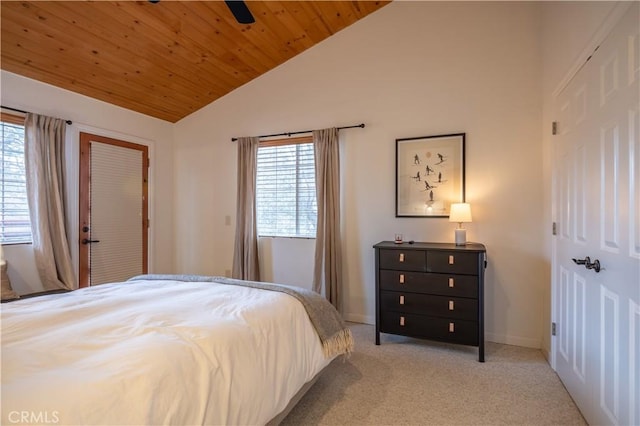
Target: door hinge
(553,328)
(554,128)
(554,229)
(148,223)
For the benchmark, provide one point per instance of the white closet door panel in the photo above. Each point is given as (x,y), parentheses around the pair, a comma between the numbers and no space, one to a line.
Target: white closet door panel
(596,206)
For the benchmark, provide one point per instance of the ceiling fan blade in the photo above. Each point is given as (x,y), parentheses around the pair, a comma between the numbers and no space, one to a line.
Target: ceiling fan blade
(240,11)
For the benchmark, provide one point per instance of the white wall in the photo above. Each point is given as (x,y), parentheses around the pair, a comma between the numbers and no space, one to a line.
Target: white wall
(410,69)
(567,29)
(90,115)
(278,265)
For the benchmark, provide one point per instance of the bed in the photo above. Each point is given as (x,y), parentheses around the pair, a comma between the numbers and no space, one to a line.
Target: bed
(165,350)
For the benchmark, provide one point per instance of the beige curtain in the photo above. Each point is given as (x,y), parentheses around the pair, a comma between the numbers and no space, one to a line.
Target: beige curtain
(45,171)
(327,273)
(245,252)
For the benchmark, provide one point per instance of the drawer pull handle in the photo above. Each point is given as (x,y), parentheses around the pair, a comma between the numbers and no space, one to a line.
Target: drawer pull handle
(450,282)
(402,300)
(452,327)
(401,257)
(451,305)
(402,321)
(401,278)
(450,259)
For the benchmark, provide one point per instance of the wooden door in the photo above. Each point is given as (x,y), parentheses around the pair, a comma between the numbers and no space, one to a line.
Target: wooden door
(596,259)
(113,210)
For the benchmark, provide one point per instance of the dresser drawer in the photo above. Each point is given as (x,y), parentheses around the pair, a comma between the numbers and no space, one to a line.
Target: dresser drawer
(421,326)
(424,282)
(403,260)
(436,306)
(452,262)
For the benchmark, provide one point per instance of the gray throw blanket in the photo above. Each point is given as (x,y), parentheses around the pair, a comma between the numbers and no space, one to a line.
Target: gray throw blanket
(334,335)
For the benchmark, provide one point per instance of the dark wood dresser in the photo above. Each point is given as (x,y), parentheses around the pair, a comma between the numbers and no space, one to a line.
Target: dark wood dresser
(431,291)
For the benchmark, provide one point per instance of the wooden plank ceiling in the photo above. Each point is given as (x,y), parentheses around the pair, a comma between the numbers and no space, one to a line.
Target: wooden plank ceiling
(165,59)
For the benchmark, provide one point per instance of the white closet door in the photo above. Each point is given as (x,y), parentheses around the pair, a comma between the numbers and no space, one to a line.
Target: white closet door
(116,252)
(597,249)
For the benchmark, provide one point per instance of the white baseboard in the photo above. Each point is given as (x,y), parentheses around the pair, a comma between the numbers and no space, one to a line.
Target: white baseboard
(513,340)
(359,318)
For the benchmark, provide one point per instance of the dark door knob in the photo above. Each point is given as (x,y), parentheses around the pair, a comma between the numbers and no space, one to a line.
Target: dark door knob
(595,265)
(85,241)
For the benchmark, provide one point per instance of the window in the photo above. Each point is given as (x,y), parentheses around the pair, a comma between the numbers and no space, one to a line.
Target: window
(15,225)
(286,188)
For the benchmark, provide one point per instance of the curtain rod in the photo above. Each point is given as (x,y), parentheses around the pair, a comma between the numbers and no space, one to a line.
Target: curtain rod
(27,112)
(361,125)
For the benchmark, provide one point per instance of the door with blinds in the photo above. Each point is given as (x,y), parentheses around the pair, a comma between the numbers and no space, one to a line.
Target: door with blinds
(113,210)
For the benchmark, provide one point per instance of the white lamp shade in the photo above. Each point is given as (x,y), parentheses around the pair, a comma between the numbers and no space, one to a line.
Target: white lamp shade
(460,212)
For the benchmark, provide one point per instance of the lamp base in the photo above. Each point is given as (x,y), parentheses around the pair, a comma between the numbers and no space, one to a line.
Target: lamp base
(461,237)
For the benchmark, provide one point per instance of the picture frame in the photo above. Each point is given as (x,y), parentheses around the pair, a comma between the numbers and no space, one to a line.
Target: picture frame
(430,175)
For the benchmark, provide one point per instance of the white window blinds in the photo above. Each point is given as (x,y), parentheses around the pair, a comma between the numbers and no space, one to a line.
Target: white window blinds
(15,224)
(286,191)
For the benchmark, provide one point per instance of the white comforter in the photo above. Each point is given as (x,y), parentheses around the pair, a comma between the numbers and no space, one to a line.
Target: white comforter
(155,352)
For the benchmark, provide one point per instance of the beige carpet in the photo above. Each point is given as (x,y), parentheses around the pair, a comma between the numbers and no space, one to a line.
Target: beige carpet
(415,382)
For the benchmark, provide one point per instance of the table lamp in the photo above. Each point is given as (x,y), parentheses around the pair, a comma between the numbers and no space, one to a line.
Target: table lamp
(460,212)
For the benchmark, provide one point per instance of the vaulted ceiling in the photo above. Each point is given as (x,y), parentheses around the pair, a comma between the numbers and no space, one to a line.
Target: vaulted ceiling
(165,59)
